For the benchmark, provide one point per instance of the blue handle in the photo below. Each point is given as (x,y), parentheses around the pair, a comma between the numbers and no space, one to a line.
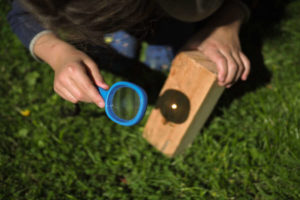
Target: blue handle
(103,93)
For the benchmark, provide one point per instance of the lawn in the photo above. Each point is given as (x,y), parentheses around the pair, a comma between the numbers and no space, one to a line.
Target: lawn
(249,148)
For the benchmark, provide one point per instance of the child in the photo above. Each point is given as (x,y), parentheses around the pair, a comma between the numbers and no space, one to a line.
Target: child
(41,25)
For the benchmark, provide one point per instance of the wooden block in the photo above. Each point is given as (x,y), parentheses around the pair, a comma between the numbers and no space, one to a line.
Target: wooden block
(184,104)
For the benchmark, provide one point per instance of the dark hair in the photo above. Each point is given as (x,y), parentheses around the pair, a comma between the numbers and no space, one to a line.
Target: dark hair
(89,20)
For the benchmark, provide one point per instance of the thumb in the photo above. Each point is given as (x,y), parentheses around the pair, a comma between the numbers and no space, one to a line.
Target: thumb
(95,73)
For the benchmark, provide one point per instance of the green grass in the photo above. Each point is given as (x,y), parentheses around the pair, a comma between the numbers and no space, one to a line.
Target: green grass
(250,149)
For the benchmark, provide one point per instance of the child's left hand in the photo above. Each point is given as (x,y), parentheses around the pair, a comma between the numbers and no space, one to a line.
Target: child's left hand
(219,41)
(223,47)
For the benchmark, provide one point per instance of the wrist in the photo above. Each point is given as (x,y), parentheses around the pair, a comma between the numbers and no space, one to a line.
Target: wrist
(52,50)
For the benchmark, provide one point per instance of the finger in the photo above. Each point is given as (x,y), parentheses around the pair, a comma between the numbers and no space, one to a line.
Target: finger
(219,59)
(232,68)
(64,83)
(229,85)
(65,94)
(75,91)
(240,64)
(88,89)
(95,73)
(247,66)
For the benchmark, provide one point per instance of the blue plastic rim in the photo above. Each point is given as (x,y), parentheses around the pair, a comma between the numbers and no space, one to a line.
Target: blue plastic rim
(108,96)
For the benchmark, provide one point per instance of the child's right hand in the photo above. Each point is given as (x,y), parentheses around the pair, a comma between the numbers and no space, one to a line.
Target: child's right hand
(75,78)
(76,74)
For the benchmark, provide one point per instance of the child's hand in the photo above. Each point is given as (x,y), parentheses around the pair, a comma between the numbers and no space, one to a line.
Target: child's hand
(76,74)
(75,78)
(222,46)
(219,41)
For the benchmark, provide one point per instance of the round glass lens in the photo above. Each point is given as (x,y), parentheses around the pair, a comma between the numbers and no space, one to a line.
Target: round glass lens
(125,103)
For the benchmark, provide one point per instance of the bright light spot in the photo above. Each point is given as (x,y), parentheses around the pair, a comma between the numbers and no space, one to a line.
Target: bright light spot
(174,106)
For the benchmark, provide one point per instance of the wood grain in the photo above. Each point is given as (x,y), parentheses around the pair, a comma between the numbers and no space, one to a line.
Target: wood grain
(192,87)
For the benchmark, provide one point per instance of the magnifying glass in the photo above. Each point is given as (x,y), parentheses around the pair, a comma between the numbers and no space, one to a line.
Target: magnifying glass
(125,103)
